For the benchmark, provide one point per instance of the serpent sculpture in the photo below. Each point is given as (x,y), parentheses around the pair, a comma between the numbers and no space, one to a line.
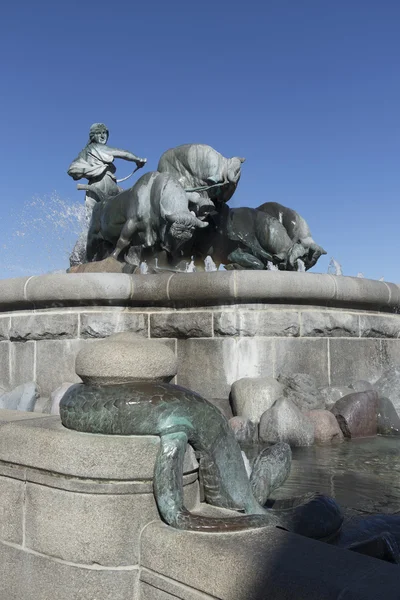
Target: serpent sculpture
(179,417)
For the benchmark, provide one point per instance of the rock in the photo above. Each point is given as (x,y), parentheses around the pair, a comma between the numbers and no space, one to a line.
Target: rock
(333,393)
(22,397)
(108,265)
(245,431)
(388,421)
(302,390)
(361,385)
(223,405)
(57,395)
(284,422)
(357,414)
(124,358)
(42,405)
(388,386)
(326,427)
(252,396)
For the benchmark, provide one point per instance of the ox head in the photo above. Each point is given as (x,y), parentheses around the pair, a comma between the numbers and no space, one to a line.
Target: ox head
(183,225)
(234,169)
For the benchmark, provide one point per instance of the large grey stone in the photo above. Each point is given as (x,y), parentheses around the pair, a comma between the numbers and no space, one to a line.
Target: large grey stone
(302,390)
(103,324)
(326,427)
(329,324)
(257,322)
(44,326)
(284,422)
(22,397)
(333,393)
(388,385)
(357,414)
(191,324)
(246,432)
(252,396)
(56,396)
(126,357)
(388,422)
(28,576)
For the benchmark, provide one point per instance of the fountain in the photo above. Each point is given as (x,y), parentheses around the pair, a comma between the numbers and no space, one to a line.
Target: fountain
(110,504)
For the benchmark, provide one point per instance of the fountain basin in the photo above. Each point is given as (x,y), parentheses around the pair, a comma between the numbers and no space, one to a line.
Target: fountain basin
(222,325)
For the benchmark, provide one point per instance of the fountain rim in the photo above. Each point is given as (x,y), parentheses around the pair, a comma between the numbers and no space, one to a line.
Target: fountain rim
(197,289)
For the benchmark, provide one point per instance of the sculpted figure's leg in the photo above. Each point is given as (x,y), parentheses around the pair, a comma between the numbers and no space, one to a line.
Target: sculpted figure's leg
(270,470)
(245,259)
(127,233)
(168,477)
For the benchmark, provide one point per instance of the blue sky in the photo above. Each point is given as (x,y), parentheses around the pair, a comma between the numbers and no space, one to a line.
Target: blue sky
(307,90)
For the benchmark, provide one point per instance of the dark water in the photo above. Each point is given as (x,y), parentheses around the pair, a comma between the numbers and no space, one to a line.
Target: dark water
(362,474)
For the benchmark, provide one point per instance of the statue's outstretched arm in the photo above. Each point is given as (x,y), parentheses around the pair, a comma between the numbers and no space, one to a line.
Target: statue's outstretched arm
(125,154)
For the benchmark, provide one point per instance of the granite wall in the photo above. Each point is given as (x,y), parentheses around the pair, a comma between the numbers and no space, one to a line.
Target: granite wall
(222,325)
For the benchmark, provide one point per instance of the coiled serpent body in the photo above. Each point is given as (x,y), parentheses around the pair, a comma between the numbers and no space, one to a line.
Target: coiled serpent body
(179,416)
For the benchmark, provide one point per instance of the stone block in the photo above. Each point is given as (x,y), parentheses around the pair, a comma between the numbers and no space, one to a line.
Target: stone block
(88,529)
(78,289)
(264,563)
(354,359)
(380,326)
(81,455)
(44,326)
(105,323)
(150,290)
(55,363)
(390,355)
(363,293)
(283,323)
(201,289)
(11,510)
(284,286)
(210,366)
(308,356)
(5,375)
(5,326)
(22,363)
(12,296)
(191,324)
(26,576)
(246,432)
(329,324)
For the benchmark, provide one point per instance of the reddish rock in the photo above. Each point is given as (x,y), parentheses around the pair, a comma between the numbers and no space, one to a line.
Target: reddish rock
(326,427)
(357,414)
